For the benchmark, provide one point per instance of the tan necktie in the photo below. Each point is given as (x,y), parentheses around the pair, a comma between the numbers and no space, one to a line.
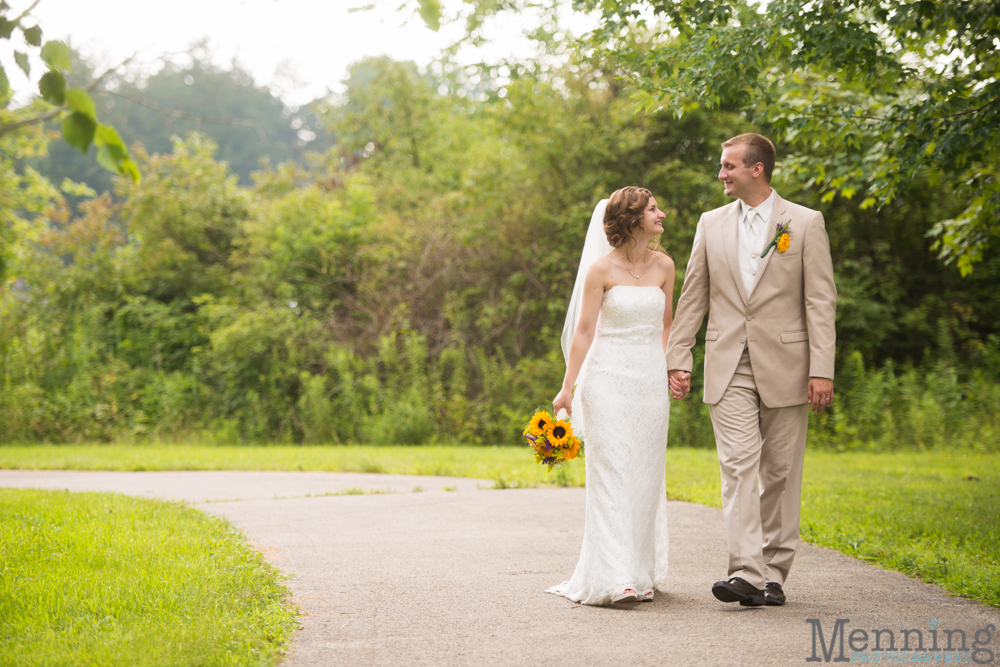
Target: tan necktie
(751,227)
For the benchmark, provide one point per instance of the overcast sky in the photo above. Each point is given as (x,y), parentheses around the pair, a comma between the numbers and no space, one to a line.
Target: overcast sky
(300,48)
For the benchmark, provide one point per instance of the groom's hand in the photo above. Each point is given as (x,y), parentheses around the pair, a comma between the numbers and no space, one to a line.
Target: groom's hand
(820,394)
(680,384)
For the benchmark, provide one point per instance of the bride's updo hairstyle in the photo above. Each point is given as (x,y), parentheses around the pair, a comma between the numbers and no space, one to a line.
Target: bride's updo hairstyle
(624,213)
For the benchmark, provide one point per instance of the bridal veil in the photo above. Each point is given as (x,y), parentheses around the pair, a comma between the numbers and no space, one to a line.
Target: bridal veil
(596,245)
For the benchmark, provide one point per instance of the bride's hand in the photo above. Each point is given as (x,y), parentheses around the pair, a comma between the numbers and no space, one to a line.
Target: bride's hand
(563,401)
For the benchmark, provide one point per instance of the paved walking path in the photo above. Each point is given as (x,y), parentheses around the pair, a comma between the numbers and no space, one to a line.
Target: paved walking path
(443,571)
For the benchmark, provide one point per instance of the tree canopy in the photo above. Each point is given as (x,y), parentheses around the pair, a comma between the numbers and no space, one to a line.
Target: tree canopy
(899,90)
(864,95)
(248,122)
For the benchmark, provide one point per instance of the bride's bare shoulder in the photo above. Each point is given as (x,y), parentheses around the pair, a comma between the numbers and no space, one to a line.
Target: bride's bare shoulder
(602,263)
(664,260)
(600,270)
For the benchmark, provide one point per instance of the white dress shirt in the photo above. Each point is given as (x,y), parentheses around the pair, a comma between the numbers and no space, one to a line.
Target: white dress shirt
(750,238)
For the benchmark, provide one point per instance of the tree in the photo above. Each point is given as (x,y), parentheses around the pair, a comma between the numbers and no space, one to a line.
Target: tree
(385,111)
(246,121)
(897,90)
(887,92)
(74,106)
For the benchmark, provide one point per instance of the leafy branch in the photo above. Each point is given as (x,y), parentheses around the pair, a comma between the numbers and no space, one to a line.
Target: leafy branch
(80,127)
(799,67)
(52,113)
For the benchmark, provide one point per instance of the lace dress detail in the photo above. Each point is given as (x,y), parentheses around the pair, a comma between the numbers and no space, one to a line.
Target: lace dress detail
(621,406)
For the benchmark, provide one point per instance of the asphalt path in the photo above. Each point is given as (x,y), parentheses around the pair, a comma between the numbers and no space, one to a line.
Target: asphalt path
(405,570)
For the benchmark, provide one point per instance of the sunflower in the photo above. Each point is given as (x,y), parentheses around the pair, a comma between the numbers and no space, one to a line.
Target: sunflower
(783,243)
(539,423)
(573,448)
(559,433)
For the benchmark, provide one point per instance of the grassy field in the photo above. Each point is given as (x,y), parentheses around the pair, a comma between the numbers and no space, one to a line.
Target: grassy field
(104,579)
(935,515)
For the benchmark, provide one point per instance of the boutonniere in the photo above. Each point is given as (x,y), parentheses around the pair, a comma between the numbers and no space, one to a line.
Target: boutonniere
(782,238)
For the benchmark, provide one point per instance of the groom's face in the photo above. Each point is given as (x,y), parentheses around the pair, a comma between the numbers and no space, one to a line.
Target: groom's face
(737,178)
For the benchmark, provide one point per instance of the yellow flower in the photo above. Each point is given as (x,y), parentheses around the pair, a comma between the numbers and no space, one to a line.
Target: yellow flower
(783,243)
(539,423)
(559,433)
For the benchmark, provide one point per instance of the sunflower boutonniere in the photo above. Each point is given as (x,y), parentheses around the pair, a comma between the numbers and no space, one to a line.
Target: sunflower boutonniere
(782,238)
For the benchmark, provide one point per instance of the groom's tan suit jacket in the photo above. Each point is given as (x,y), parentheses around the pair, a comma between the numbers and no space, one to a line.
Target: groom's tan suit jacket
(787,320)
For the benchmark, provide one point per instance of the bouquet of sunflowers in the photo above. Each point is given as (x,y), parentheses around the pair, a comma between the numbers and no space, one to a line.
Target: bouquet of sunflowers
(552,439)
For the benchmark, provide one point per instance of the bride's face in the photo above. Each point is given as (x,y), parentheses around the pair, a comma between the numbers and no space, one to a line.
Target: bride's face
(652,219)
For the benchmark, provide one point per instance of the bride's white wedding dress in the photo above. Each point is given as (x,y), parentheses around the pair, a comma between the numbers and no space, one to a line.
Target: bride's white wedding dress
(621,407)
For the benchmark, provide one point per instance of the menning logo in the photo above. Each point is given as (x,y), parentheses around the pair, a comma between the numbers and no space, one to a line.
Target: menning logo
(884,649)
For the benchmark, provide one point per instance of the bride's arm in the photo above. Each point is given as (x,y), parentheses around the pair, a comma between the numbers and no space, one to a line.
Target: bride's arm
(668,291)
(583,336)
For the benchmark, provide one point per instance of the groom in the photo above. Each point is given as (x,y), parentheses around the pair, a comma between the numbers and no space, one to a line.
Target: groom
(769,352)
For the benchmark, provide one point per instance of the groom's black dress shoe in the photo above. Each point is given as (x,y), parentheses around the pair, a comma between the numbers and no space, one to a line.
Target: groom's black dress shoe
(773,595)
(738,590)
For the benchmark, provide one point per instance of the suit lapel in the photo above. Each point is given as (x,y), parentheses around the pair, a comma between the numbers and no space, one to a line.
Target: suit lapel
(731,220)
(778,212)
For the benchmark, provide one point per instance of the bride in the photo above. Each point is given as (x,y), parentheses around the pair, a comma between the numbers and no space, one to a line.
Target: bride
(614,341)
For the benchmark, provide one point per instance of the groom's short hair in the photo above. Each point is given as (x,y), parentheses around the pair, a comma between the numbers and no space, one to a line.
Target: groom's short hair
(758,149)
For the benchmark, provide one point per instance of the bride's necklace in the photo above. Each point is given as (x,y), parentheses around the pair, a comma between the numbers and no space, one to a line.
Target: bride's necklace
(629,266)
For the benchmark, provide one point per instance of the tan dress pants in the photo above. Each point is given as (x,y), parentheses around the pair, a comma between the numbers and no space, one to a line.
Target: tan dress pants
(761,451)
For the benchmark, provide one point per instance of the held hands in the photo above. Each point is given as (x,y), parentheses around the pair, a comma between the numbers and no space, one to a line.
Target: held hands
(820,394)
(680,384)
(563,401)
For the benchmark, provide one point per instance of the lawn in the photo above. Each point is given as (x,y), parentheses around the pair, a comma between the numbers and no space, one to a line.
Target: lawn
(935,515)
(105,579)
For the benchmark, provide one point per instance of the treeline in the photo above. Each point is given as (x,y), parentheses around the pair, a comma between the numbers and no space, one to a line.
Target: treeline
(247,122)
(408,284)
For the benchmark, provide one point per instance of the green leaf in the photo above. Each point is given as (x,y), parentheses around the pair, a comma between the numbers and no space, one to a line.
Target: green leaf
(112,154)
(33,36)
(111,157)
(57,55)
(79,101)
(131,170)
(4,83)
(6,28)
(430,12)
(52,86)
(22,61)
(108,135)
(78,131)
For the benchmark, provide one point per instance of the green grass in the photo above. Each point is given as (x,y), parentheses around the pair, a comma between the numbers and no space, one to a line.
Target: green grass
(511,465)
(917,512)
(508,467)
(105,579)
(935,516)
